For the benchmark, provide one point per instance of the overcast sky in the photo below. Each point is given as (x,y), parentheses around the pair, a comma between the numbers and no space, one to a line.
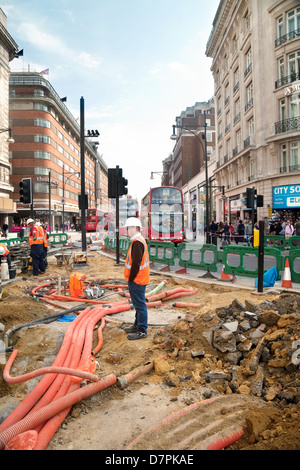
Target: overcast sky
(137,63)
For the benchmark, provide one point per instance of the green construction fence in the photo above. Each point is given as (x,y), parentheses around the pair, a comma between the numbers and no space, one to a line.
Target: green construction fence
(206,256)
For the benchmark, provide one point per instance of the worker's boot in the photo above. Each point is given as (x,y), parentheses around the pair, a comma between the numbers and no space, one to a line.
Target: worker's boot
(138,334)
(131,329)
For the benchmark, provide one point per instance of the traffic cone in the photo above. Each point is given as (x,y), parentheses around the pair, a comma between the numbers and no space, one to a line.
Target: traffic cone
(224,276)
(286,282)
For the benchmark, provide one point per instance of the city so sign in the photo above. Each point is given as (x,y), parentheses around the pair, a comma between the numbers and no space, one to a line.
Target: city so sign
(286,197)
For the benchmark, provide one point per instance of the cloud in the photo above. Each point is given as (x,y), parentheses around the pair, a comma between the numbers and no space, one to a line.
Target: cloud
(87,60)
(51,44)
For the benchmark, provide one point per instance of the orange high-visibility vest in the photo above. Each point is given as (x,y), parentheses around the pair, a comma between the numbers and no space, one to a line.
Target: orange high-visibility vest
(46,242)
(5,248)
(143,276)
(39,238)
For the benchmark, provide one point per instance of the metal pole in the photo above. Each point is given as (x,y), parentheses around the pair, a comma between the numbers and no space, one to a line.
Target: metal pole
(206,181)
(117,217)
(50,201)
(63,216)
(261,256)
(82,152)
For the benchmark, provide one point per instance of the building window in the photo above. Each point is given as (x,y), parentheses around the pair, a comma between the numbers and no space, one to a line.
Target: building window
(42,123)
(280,27)
(41,170)
(249,97)
(236,79)
(293,21)
(41,188)
(40,107)
(294,66)
(38,93)
(251,126)
(295,156)
(248,62)
(45,139)
(295,105)
(283,164)
(42,154)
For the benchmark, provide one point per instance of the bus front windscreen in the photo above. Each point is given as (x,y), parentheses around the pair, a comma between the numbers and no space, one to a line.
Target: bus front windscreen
(166,210)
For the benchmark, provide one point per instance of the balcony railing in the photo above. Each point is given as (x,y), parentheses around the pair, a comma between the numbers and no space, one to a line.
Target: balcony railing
(287,37)
(236,87)
(237,118)
(295,168)
(247,142)
(286,125)
(249,105)
(248,70)
(286,80)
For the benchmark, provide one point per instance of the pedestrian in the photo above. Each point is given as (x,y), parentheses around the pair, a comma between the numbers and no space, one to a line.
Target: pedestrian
(231,230)
(249,232)
(226,231)
(213,230)
(278,227)
(289,230)
(36,242)
(297,227)
(5,230)
(241,232)
(137,274)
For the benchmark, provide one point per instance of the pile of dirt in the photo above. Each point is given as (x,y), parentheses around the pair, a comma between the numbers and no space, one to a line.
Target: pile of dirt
(234,343)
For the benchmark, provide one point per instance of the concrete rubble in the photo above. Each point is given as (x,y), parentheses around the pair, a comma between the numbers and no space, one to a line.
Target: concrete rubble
(244,349)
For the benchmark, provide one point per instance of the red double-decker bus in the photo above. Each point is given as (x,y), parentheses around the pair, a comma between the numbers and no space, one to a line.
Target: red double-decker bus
(162,214)
(98,220)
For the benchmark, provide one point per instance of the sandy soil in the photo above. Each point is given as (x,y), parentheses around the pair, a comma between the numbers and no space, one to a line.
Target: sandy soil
(119,418)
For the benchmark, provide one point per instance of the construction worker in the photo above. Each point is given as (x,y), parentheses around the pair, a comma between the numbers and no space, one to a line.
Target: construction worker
(4,253)
(36,242)
(137,274)
(45,245)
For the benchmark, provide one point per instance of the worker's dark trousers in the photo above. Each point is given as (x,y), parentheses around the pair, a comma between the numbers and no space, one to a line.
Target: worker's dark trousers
(137,294)
(37,259)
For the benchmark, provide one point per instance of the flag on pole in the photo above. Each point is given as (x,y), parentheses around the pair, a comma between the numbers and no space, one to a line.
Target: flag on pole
(45,72)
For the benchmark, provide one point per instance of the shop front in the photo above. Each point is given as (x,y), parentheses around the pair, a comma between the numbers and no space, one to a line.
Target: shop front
(235,210)
(286,201)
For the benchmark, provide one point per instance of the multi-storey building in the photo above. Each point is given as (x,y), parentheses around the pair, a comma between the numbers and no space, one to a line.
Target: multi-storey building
(47,147)
(195,142)
(8,50)
(255,47)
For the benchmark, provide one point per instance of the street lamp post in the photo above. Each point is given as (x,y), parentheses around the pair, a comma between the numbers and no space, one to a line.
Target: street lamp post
(10,139)
(158,173)
(82,172)
(75,173)
(204,150)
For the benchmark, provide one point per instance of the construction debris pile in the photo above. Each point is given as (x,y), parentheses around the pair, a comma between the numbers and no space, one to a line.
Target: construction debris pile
(251,349)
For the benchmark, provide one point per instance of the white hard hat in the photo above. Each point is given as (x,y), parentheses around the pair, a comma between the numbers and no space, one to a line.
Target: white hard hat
(30,221)
(2,250)
(133,222)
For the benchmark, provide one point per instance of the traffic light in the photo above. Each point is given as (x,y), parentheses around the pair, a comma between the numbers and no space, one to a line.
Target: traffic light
(250,198)
(113,182)
(260,200)
(116,183)
(122,186)
(86,201)
(25,191)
